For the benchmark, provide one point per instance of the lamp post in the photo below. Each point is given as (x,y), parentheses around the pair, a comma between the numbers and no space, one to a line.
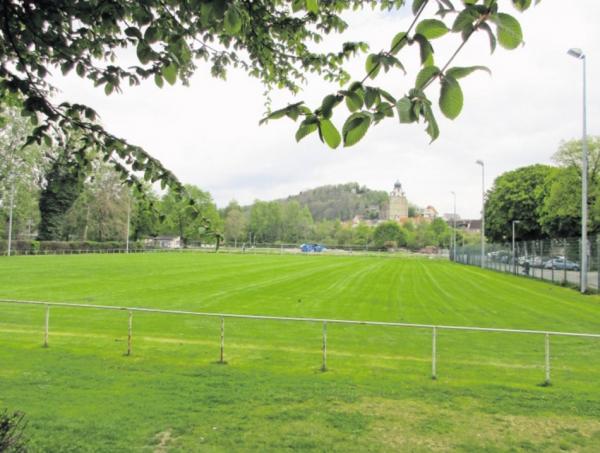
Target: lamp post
(128,222)
(453,226)
(480,162)
(514,258)
(578,53)
(10,214)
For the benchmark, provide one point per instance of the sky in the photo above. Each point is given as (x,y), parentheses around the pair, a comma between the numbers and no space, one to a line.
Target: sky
(208,133)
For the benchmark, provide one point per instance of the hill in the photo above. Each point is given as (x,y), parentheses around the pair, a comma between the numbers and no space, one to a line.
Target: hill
(342,201)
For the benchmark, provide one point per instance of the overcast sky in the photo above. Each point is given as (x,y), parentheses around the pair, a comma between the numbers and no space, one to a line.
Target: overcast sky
(208,133)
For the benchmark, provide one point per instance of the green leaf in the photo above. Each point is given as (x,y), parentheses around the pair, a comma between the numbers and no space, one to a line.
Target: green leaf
(432,127)
(459,72)
(425,75)
(416,5)
(232,21)
(297,5)
(484,26)
(329,133)
(108,88)
(355,128)
(451,98)
(508,31)
(170,73)
(426,50)
(521,5)
(432,28)
(405,110)
(312,6)
(372,65)
(144,52)
(308,126)
(371,96)
(329,102)
(133,32)
(353,100)
(398,42)
(158,80)
(465,19)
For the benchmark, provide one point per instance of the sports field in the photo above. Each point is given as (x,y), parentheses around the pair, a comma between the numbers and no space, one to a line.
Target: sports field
(83,394)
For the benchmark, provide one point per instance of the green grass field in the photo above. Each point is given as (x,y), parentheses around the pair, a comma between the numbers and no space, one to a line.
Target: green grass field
(83,394)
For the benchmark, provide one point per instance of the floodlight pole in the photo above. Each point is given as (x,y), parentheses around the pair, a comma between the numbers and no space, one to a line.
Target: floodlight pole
(578,53)
(10,214)
(128,222)
(480,162)
(514,222)
(454,228)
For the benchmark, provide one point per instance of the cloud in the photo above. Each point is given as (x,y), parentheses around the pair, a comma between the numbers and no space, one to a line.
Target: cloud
(208,133)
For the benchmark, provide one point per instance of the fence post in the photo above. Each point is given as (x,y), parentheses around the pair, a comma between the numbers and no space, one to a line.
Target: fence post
(324,364)
(542,259)
(222,354)
(597,264)
(434,354)
(129,333)
(547,354)
(46,326)
(565,263)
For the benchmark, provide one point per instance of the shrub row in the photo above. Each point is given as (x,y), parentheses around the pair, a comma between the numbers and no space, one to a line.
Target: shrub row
(34,247)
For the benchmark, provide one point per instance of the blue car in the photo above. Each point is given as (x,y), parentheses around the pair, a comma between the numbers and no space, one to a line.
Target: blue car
(307,248)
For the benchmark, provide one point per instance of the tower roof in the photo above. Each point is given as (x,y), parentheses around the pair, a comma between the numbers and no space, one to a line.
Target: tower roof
(397,185)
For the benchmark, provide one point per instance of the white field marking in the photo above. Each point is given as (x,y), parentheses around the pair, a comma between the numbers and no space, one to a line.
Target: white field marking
(380,358)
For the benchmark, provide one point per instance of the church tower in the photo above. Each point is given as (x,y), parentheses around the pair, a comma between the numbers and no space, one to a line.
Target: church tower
(398,204)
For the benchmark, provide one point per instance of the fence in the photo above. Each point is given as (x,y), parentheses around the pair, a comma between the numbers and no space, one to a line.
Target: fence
(222,316)
(554,260)
(262,249)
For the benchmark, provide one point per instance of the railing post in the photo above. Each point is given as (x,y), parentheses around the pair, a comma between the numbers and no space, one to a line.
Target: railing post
(129,333)
(324,364)
(222,354)
(598,263)
(547,356)
(434,354)
(46,326)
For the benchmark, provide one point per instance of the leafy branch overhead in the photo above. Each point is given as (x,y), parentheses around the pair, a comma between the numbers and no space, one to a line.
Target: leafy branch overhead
(369,105)
(272,41)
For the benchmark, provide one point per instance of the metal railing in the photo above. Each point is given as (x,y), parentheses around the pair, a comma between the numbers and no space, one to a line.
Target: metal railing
(556,260)
(324,321)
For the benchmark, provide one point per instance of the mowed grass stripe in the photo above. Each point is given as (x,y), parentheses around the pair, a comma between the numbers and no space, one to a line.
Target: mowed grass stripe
(83,393)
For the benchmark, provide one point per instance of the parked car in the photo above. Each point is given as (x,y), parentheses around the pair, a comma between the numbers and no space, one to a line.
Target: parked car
(533,261)
(312,248)
(562,264)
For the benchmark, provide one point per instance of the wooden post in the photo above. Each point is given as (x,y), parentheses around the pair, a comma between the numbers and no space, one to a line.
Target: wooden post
(324,364)
(46,326)
(434,354)
(129,333)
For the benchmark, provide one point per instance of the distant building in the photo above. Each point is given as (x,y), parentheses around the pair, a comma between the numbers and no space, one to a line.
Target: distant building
(473,225)
(398,208)
(429,213)
(163,242)
(450,217)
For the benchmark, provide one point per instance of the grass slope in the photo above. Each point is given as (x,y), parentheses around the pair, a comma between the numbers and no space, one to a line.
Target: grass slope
(82,394)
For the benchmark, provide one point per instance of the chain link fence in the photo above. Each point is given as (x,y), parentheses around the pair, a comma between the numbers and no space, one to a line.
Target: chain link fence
(554,260)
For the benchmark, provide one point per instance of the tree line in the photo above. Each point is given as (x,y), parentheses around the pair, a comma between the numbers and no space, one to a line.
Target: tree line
(55,198)
(545,199)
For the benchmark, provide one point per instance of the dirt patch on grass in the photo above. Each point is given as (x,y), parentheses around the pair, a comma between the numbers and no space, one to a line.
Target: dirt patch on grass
(163,439)
(405,425)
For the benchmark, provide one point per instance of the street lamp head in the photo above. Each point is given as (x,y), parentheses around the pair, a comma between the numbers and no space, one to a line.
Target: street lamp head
(479,162)
(577,53)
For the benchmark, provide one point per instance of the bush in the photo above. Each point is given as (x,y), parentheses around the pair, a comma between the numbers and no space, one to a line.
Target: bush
(12,428)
